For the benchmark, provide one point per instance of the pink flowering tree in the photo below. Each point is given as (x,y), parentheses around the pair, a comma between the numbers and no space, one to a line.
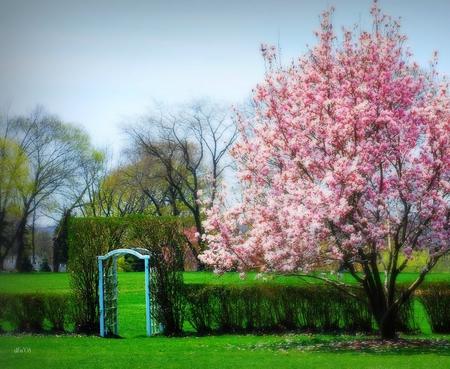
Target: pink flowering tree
(345,163)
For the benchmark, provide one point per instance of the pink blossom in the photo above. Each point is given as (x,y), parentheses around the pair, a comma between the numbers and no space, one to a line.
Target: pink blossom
(347,155)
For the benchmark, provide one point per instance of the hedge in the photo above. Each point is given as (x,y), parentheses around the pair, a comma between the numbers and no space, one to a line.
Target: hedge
(35,312)
(225,308)
(92,237)
(435,298)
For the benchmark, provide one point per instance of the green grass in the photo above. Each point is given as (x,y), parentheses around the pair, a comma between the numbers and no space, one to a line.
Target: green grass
(136,350)
(33,282)
(59,282)
(226,351)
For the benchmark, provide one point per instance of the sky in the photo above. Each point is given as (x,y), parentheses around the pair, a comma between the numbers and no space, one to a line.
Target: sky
(99,63)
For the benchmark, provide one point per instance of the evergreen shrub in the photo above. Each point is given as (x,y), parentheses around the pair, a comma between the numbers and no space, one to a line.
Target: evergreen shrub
(45,266)
(58,309)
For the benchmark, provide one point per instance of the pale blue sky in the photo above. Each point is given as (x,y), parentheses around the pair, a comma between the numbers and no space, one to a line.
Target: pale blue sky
(94,62)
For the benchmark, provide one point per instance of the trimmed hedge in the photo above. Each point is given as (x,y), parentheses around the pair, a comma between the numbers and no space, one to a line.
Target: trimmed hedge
(435,298)
(35,312)
(228,309)
(87,239)
(318,308)
(92,237)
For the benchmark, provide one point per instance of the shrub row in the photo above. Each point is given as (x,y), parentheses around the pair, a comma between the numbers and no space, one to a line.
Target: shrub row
(435,299)
(34,312)
(226,308)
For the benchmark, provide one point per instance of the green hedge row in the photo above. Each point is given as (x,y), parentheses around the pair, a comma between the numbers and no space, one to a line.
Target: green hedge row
(435,298)
(35,312)
(224,308)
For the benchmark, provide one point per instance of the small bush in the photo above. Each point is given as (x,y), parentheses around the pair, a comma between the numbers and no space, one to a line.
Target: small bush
(4,310)
(405,321)
(58,311)
(28,312)
(200,310)
(356,317)
(45,266)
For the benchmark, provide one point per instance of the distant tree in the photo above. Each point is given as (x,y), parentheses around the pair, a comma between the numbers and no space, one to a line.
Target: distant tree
(60,241)
(80,195)
(95,169)
(43,241)
(124,191)
(187,145)
(55,153)
(45,266)
(13,185)
(345,163)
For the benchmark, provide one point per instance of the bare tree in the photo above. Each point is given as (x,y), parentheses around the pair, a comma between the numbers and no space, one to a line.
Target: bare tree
(189,143)
(55,152)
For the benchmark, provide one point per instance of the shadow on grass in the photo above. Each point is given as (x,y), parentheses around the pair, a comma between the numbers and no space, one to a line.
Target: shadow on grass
(370,346)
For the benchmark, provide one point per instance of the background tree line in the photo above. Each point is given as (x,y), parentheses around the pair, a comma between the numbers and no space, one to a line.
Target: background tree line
(174,157)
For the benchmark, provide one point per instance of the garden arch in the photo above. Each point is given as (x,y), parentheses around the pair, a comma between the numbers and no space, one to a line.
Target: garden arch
(107,286)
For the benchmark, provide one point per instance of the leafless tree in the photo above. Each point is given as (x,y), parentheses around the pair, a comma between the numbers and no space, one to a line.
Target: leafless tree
(188,145)
(55,153)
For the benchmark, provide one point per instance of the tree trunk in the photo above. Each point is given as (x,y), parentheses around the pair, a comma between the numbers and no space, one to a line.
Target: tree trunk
(2,260)
(55,261)
(384,309)
(387,326)
(198,225)
(385,315)
(20,242)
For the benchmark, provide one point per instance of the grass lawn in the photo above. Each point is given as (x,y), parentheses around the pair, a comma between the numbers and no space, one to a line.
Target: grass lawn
(226,351)
(135,350)
(59,282)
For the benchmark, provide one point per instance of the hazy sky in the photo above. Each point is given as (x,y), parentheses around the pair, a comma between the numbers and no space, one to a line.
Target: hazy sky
(97,62)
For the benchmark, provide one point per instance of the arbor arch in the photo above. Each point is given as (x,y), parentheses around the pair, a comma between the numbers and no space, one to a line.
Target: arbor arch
(107,285)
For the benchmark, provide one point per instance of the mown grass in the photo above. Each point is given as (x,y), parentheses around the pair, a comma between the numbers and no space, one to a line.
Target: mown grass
(59,282)
(228,351)
(135,350)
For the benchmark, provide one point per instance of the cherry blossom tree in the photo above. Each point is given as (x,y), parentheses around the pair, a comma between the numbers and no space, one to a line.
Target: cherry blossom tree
(346,163)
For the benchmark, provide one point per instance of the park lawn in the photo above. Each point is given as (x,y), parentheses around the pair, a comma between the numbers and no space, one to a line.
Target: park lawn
(59,282)
(136,350)
(226,351)
(34,282)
